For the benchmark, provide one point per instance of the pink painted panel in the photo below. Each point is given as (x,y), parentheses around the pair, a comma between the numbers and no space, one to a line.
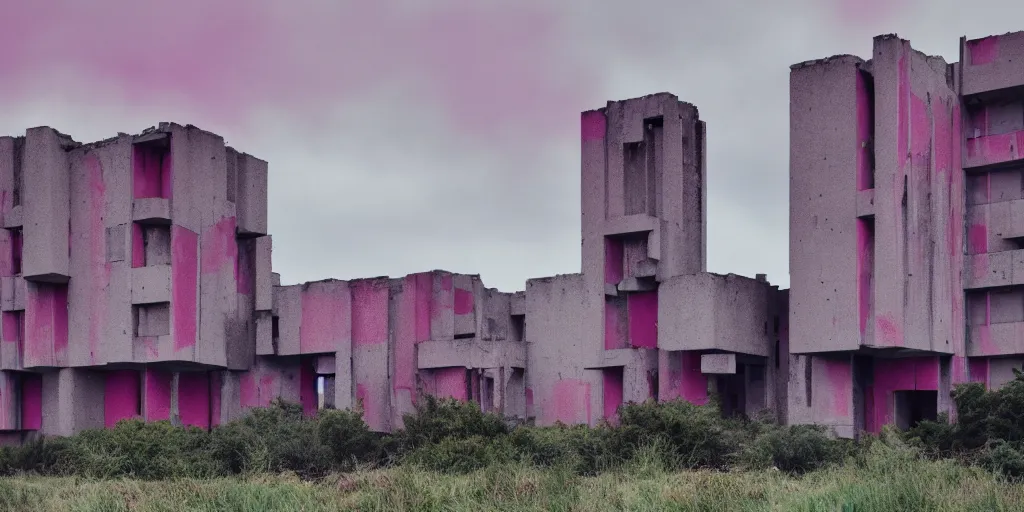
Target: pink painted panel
(613,391)
(184,286)
(592,125)
(158,395)
(983,51)
(424,298)
(219,248)
(979,370)
(921,132)
(137,246)
(643,319)
(463,301)
(148,165)
(243,270)
(369,312)
(194,399)
(11,326)
(368,400)
(692,384)
(215,390)
(529,402)
(325,310)
(569,403)
(31,401)
(926,374)
(121,392)
(865,271)
(308,395)
(451,383)
(839,375)
(615,323)
(46,338)
(614,252)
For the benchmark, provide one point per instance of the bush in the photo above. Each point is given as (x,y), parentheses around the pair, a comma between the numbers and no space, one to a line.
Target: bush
(272,439)
(698,435)
(438,419)
(794,449)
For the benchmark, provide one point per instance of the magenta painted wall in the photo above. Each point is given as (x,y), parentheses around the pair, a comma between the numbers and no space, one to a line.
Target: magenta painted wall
(121,396)
(194,399)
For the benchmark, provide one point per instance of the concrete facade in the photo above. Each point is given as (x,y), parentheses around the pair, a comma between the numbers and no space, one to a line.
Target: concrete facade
(905,177)
(136,278)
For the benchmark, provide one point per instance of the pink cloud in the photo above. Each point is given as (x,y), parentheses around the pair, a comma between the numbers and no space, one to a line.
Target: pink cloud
(488,65)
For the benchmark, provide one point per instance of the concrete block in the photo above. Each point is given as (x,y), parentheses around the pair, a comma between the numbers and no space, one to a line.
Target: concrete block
(151,210)
(151,284)
(718,363)
(992,63)
(252,196)
(263,277)
(47,202)
(325,365)
(517,306)
(464,306)
(13,290)
(264,333)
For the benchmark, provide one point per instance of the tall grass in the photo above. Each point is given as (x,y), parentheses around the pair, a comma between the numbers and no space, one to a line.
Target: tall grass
(889,477)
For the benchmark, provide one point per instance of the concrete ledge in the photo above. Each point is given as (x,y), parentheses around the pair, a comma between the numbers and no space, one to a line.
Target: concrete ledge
(866,203)
(471,353)
(992,63)
(718,364)
(631,224)
(151,284)
(152,210)
(995,340)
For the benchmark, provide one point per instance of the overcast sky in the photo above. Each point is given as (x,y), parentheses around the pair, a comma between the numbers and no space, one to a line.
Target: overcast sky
(406,136)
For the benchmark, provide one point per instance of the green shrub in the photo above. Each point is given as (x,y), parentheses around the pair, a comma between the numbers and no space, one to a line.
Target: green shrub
(698,435)
(272,439)
(794,449)
(438,419)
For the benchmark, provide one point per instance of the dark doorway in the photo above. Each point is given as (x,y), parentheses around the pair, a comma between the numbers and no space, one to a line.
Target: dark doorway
(913,407)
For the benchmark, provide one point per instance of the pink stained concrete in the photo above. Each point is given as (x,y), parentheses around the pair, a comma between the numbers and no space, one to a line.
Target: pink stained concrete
(983,51)
(99,267)
(643,319)
(325,311)
(372,414)
(157,388)
(593,125)
(463,302)
(451,383)
(307,387)
(692,385)
(413,327)
(569,402)
(891,375)
(121,396)
(151,170)
(369,312)
(616,323)
(11,326)
(994,149)
(31,401)
(903,112)
(613,263)
(865,273)
(184,286)
(612,387)
(839,375)
(46,339)
(219,248)
(979,370)
(215,403)
(194,392)
(138,246)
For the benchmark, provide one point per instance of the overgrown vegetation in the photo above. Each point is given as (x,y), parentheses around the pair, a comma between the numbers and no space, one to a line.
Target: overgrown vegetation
(450,437)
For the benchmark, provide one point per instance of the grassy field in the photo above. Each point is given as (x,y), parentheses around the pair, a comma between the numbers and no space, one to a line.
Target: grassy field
(888,479)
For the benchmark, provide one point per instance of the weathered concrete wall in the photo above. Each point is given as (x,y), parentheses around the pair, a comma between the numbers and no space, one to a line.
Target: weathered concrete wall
(136,273)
